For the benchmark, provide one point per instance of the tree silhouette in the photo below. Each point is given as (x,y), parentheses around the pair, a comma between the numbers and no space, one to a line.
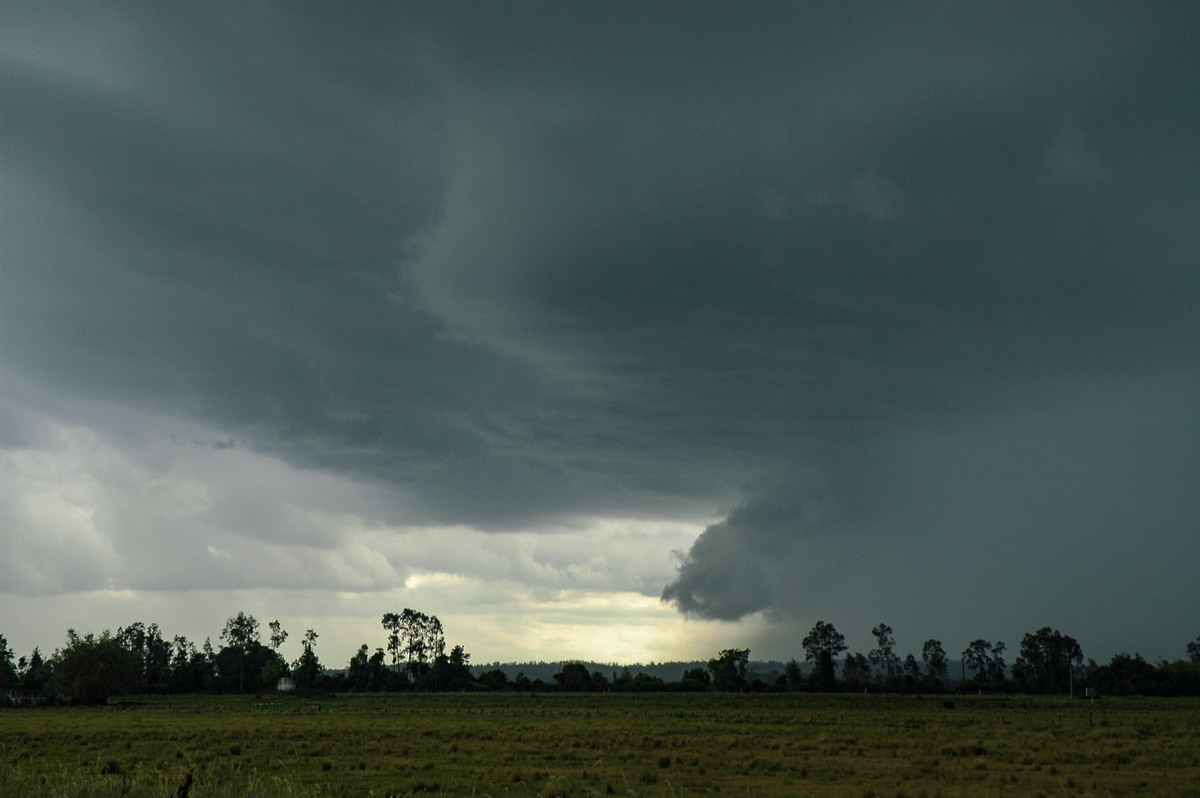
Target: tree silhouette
(821,645)
(241,634)
(936,667)
(728,669)
(1047,662)
(884,655)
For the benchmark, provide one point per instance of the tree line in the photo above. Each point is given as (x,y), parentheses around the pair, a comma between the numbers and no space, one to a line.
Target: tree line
(1048,662)
(138,659)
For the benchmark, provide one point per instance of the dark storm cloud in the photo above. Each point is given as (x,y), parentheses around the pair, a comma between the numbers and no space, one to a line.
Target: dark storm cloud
(525,261)
(725,574)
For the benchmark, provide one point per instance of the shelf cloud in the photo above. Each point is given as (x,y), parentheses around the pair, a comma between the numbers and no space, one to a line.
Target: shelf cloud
(865,312)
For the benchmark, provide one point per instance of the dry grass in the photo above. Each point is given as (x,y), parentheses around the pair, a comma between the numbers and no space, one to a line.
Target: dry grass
(589,745)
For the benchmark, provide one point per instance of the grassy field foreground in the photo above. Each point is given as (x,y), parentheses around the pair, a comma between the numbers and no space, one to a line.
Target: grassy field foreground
(605,744)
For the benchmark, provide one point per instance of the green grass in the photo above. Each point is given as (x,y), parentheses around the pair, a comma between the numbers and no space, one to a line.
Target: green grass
(609,744)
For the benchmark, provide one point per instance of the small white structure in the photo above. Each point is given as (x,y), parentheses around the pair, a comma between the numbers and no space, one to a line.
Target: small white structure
(285,684)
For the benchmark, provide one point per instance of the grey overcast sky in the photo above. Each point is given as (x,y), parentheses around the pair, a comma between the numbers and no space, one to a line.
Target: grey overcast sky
(615,330)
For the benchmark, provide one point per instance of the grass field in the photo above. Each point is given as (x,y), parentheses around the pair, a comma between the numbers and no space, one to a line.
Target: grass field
(605,744)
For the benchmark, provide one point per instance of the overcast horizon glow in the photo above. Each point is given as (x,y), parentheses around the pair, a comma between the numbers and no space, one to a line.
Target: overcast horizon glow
(626,332)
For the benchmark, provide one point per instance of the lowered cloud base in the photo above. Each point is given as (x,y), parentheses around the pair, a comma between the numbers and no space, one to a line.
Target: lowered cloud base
(861,311)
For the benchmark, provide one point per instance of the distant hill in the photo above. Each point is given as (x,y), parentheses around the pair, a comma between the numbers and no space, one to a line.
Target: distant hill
(667,671)
(769,670)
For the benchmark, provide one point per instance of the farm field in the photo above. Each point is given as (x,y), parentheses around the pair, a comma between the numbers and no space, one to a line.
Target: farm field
(546,744)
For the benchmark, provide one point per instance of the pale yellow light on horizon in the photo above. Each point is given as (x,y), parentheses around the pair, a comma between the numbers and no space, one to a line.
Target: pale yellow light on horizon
(623,627)
(619,627)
